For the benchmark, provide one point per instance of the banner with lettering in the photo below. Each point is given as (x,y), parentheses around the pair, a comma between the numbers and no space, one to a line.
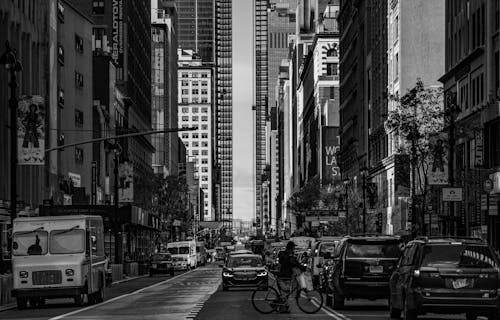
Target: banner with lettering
(330,151)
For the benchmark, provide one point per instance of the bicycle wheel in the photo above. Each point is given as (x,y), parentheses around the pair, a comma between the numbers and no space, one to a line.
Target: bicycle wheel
(309,301)
(265,301)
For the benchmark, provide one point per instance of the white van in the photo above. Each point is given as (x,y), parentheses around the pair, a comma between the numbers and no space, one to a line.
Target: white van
(183,254)
(58,257)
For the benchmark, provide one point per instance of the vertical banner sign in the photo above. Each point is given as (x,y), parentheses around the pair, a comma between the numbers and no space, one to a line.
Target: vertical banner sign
(117,33)
(330,150)
(126,183)
(478,154)
(438,167)
(94,182)
(31,130)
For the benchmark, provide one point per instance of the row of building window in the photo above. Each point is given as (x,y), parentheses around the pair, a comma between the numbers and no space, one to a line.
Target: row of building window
(194,75)
(194,110)
(195,136)
(194,118)
(195,91)
(194,100)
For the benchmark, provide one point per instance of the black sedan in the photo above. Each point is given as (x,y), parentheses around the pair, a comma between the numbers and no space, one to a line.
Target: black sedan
(161,263)
(244,270)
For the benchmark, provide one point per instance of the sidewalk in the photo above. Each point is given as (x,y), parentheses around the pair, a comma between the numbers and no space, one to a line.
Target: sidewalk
(126,279)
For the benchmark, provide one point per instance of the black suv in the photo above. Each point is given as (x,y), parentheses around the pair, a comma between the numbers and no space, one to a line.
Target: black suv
(363,266)
(443,275)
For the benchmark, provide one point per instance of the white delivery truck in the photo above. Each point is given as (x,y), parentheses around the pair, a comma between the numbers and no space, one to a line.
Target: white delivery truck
(58,257)
(183,254)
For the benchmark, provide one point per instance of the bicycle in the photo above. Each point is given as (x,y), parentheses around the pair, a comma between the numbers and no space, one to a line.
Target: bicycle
(269,300)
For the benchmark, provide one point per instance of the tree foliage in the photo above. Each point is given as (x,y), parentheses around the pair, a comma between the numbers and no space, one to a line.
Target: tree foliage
(415,120)
(171,198)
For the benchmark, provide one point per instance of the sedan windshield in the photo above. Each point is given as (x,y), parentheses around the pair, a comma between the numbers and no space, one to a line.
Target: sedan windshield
(238,262)
(67,241)
(467,256)
(373,250)
(30,243)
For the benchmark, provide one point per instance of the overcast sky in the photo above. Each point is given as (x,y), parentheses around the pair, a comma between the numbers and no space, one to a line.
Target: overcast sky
(243,130)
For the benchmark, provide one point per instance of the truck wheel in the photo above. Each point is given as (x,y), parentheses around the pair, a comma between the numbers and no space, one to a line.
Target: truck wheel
(22,303)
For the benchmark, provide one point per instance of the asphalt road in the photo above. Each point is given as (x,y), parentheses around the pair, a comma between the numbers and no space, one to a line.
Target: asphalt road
(192,295)
(58,307)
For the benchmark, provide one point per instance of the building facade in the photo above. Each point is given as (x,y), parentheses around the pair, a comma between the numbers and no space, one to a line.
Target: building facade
(75,105)
(224,113)
(195,110)
(196,27)
(472,91)
(164,88)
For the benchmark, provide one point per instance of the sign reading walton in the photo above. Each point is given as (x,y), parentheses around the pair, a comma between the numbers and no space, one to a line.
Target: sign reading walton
(117,36)
(331,147)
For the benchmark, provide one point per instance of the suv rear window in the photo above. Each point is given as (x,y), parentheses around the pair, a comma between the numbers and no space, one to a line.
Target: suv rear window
(458,255)
(373,250)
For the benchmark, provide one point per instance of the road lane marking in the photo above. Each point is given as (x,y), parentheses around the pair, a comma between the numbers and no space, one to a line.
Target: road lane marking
(332,313)
(62,316)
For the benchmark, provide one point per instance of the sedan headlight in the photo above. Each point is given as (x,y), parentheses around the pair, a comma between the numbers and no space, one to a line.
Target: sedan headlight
(262,273)
(23,274)
(227,274)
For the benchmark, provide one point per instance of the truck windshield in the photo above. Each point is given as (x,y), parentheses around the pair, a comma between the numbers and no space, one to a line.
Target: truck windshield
(30,243)
(183,250)
(174,250)
(67,241)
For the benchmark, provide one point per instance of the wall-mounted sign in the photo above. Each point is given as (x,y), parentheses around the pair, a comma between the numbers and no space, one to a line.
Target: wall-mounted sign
(117,33)
(438,171)
(331,147)
(495,177)
(76,179)
(31,130)
(452,194)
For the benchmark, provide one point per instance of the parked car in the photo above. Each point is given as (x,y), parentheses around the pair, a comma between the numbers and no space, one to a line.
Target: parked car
(443,275)
(161,263)
(244,270)
(363,266)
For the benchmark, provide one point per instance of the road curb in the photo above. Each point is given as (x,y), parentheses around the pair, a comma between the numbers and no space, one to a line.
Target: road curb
(129,279)
(7,307)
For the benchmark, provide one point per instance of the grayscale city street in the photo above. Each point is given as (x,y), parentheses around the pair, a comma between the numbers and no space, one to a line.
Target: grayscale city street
(250,159)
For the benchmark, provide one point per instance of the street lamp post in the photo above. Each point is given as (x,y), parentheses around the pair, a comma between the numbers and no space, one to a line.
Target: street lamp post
(364,174)
(12,65)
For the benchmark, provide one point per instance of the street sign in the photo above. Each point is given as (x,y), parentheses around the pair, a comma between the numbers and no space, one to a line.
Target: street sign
(452,194)
(176,223)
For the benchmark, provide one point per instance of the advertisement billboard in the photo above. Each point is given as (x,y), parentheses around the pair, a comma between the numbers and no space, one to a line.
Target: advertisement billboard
(117,33)
(31,130)
(438,166)
(329,154)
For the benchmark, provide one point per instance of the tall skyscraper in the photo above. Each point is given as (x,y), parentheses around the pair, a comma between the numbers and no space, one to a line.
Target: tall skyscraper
(196,27)
(224,112)
(164,86)
(195,104)
(261,106)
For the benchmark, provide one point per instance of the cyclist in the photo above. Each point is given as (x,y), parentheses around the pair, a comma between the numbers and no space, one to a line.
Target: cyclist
(290,267)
